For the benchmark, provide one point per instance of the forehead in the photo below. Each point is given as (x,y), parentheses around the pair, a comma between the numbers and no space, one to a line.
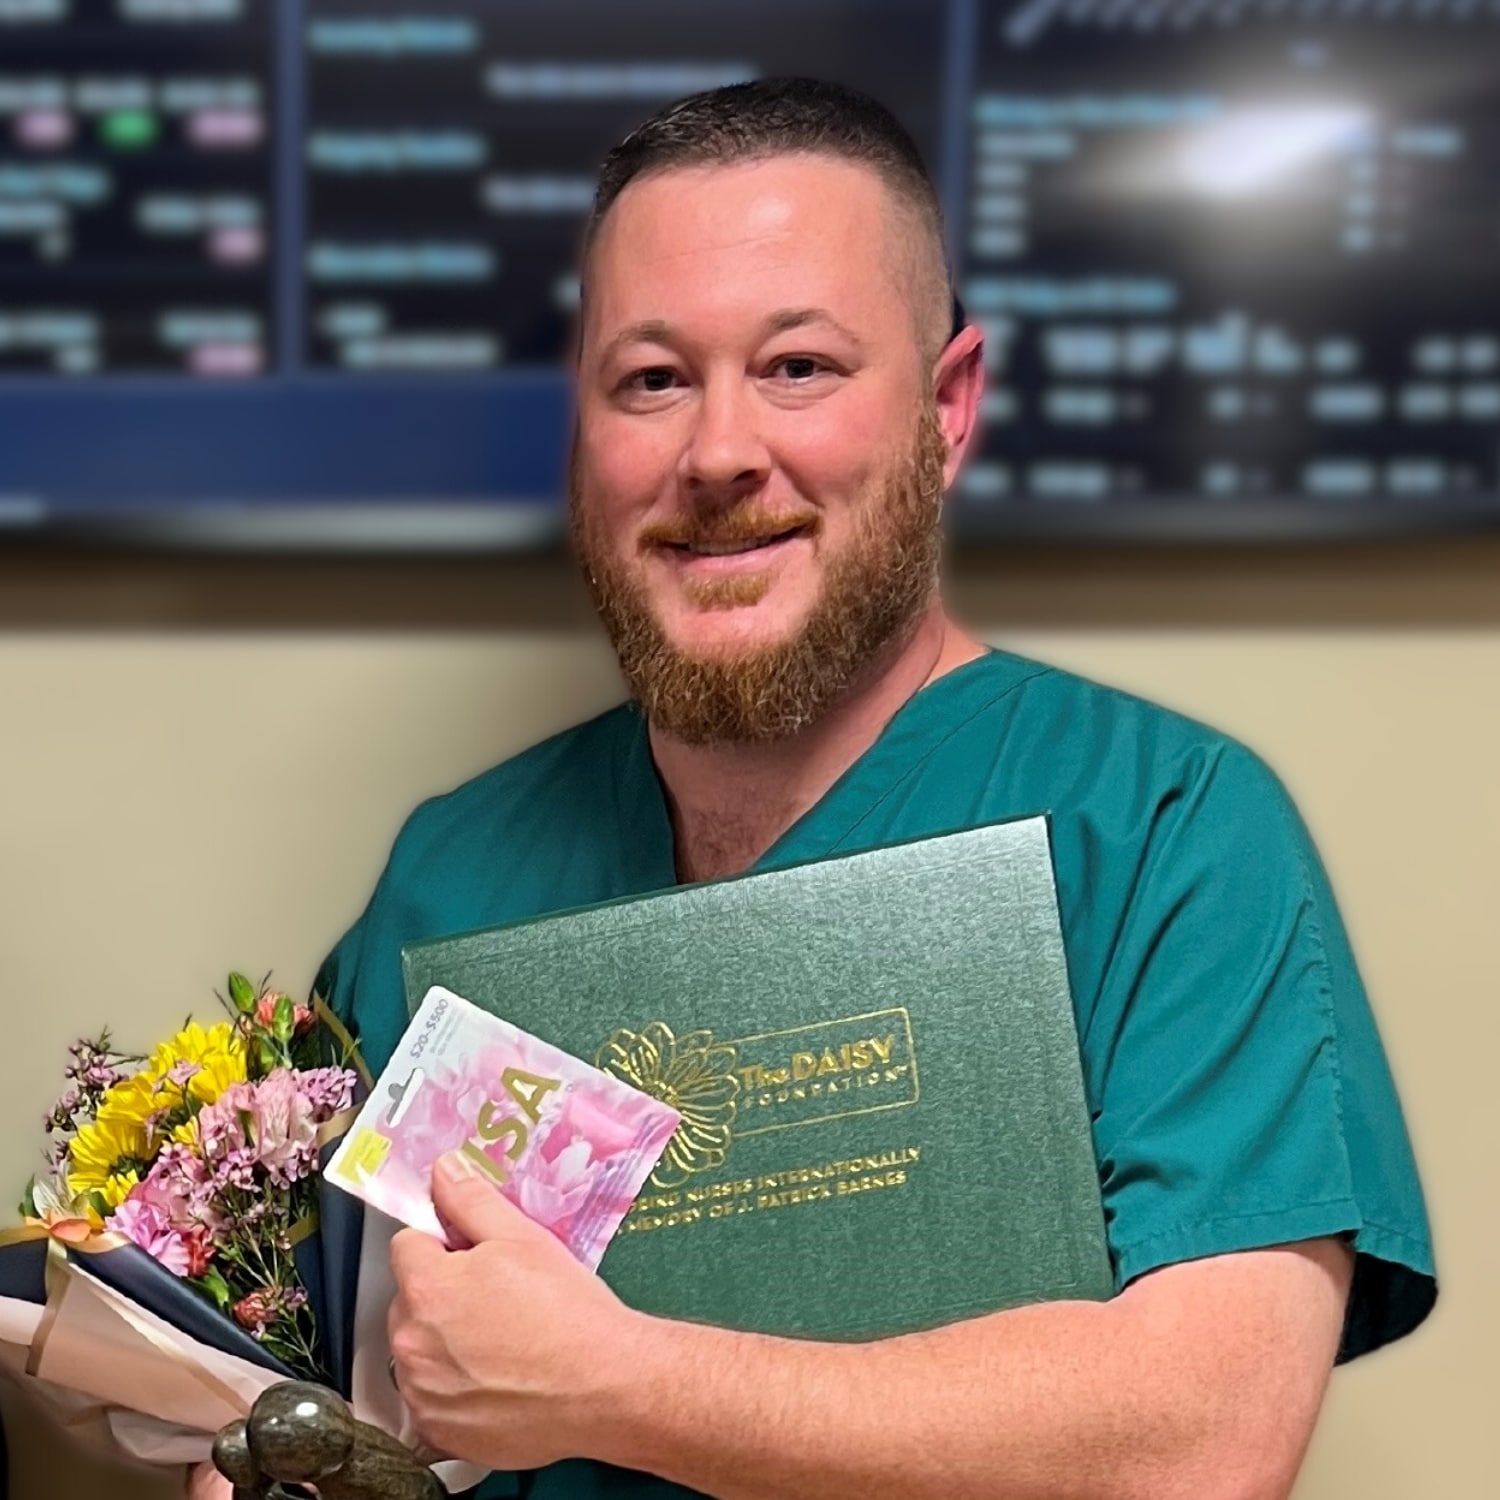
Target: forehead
(746,239)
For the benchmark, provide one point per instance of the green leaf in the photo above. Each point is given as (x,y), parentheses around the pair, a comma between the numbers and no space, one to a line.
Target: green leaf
(214,1284)
(28,1201)
(266,1054)
(242,992)
(284,1019)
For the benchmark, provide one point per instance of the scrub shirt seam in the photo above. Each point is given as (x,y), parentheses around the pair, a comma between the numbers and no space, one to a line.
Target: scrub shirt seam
(1415,1241)
(1361,1230)
(895,786)
(1325,999)
(1175,1230)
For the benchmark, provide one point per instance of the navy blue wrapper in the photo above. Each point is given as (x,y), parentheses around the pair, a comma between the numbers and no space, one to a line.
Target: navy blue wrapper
(328,1262)
(133,1273)
(23,1272)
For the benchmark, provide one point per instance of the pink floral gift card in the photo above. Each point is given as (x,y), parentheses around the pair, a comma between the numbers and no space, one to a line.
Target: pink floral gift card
(571,1146)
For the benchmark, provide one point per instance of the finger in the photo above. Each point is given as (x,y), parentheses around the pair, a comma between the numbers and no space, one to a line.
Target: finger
(396,1320)
(206,1483)
(468,1201)
(413,1253)
(427,1454)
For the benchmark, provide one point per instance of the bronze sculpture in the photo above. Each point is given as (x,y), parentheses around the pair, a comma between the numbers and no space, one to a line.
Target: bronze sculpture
(303,1434)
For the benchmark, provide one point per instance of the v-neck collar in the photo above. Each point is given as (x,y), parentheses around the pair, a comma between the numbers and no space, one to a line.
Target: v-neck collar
(929,718)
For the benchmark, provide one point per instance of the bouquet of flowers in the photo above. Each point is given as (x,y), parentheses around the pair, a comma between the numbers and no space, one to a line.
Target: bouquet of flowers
(171,1264)
(198,1235)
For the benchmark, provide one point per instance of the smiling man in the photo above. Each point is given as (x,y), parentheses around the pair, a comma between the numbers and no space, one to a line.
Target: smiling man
(772,400)
(805,555)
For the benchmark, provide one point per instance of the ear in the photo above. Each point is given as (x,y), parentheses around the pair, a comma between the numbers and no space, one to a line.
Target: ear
(957,386)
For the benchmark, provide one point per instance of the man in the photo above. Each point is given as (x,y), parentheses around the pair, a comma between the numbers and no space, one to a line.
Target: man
(771,403)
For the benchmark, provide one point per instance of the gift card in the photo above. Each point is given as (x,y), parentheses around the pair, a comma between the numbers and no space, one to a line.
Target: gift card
(569,1145)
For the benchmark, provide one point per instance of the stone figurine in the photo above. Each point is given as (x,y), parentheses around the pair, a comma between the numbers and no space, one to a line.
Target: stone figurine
(302,1434)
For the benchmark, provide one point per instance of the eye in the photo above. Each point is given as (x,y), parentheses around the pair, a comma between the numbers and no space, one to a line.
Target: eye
(800,368)
(652,381)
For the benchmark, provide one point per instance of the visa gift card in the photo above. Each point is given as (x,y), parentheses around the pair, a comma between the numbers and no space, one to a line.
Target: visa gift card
(569,1145)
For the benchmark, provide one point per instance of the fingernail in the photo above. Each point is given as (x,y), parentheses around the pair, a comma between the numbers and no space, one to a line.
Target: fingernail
(454,1166)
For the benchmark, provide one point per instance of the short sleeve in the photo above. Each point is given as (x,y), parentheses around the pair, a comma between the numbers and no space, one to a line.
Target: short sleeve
(1241,1096)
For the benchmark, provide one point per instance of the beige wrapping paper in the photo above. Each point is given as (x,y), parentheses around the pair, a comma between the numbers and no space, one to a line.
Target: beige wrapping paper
(130,1382)
(376,1399)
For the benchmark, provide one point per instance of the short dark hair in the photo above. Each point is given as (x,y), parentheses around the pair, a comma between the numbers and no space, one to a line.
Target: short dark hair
(748,122)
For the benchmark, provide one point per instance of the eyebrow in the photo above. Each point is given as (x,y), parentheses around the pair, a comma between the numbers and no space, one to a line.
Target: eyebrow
(652,331)
(804,317)
(659,331)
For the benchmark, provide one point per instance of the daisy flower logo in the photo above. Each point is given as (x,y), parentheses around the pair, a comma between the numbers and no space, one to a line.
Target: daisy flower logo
(693,1074)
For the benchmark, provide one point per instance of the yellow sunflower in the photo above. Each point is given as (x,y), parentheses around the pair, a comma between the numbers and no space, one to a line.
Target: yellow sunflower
(134,1099)
(140,1113)
(157,1103)
(112,1152)
(217,1053)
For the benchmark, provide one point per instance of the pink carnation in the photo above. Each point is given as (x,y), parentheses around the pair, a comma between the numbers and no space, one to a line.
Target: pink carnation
(175,1184)
(183,1253)
(255,1312)
(268,1305)
(223,1125)
(227,1132)
(285,1132)
(265,1013)
(181,1188)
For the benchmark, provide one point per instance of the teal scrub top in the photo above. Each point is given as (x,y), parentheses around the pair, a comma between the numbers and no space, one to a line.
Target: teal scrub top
(1239,1093)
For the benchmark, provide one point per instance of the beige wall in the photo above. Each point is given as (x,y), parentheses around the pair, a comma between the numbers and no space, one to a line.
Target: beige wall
(173,802)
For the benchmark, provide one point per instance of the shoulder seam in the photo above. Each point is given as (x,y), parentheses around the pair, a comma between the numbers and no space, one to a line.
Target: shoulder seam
(1325,988)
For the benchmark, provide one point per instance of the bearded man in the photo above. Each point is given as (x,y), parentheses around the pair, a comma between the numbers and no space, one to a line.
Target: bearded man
(773,398)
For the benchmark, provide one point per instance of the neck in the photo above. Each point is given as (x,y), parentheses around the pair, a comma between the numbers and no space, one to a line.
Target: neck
(730,803)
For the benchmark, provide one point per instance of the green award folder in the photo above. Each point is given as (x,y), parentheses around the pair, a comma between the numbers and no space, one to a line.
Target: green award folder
(875,1057)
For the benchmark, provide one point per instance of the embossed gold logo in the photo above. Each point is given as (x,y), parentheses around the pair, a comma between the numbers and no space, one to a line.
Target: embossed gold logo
(774,1081)
(696,1076)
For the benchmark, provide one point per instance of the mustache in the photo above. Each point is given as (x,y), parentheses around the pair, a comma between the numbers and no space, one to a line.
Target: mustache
(727,528)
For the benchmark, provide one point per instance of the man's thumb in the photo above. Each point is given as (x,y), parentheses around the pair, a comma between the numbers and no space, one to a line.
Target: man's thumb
(469,1202)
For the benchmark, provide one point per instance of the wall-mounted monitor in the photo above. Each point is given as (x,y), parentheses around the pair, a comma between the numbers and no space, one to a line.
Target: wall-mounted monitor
(301,272)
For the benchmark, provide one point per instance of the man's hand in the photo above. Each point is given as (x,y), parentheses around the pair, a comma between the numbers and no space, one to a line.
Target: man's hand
(1201,1380)
(508,1354)
(206,1483)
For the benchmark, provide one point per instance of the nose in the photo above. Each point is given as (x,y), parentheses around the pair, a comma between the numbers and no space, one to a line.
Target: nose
(726,451)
